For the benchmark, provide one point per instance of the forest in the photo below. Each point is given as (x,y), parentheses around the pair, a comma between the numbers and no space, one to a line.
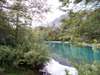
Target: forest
(23,50)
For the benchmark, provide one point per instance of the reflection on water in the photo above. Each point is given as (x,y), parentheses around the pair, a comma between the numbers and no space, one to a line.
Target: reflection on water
(72,52)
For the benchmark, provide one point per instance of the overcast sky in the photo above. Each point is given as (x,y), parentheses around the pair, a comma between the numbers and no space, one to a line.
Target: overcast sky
(54,11)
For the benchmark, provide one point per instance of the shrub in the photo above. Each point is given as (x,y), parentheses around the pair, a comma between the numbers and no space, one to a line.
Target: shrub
(88,69)
(29,53)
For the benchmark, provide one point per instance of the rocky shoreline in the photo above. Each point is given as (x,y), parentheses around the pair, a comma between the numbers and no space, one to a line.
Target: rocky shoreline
(55,68)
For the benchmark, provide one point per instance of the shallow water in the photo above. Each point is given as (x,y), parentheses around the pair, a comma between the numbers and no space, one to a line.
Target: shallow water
(76,53)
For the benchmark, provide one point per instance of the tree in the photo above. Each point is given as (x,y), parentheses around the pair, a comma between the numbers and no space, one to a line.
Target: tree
(25,48)
(6,30)
(91,26)
(84,25)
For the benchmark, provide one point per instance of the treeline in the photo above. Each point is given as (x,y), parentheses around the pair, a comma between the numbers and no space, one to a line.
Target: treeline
(83,26)
(21,47)
(77,1)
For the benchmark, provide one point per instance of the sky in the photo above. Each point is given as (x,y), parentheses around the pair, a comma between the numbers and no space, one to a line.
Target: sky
(55,11)
(53,14)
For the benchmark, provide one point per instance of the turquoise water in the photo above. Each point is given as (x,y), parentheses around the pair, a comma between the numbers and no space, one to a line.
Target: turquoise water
(77,53)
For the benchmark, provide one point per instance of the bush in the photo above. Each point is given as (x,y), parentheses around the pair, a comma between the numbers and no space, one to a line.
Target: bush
(6,55)
(88,69)
(29,53)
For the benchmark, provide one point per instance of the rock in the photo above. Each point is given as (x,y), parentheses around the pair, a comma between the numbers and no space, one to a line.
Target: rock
(55,68)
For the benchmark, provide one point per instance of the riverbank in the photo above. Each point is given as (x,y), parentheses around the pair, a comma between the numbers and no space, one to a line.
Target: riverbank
(93,45)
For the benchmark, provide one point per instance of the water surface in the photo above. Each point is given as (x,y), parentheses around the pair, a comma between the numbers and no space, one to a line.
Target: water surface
(73,52)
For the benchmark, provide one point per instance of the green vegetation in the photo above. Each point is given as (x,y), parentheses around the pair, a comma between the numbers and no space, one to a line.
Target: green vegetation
(23,50)
(76,1)
(88,69)
(81,27)
(21,47)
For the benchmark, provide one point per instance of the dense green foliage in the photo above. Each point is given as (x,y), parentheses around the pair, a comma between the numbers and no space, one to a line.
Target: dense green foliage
(85,26)
(28,49)
(76,1)
(88,69)
(6,31)
(21,47)
(81,27)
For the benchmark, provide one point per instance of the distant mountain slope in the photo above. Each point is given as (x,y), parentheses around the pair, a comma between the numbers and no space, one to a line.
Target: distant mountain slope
(75,6)
(78,5)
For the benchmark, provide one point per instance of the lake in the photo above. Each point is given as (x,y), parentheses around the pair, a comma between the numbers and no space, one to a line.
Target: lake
(72,52)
